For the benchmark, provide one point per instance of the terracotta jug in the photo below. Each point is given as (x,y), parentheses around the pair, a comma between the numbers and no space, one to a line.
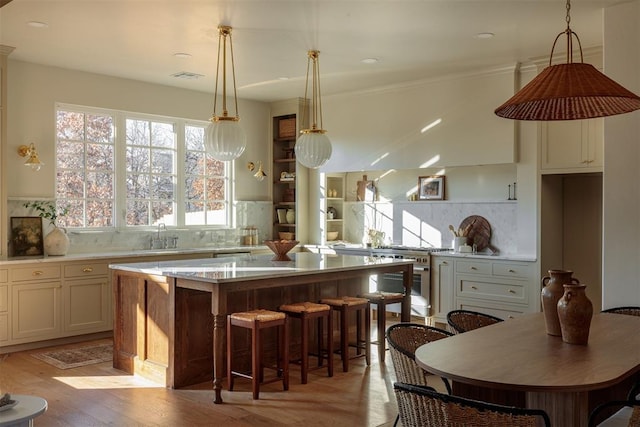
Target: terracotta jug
(552,291)
(575,311)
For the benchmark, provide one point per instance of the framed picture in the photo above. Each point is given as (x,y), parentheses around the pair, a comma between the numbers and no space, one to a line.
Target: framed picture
(431,187)
(26,236)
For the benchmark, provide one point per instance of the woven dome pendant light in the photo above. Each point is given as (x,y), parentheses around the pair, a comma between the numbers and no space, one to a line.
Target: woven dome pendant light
(313,148)
(224,139)
(569,91)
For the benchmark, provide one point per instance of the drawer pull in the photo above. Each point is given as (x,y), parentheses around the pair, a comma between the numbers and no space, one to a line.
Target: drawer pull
(445,263)
(510,317)
(37,273)
(511,271)
(87,270)
(473,268)
(511,291)
(475,288)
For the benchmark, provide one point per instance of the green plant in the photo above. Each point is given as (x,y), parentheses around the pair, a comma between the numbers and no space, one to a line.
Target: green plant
(47,209)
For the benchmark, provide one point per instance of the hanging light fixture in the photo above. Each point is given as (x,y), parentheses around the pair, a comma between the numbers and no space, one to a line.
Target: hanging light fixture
(570,91)
(224,138)
(33,161)
(313,148)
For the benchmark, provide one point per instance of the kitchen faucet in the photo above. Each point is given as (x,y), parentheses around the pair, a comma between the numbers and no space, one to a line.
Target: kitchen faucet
(158,242)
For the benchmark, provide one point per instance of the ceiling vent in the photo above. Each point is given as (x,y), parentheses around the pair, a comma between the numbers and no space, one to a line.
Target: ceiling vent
(186,75)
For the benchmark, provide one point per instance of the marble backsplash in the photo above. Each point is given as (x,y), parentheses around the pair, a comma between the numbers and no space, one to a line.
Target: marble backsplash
(249,213)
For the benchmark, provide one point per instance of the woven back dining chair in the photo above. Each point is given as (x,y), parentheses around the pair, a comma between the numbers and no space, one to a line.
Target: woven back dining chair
(627,414)
(630,310)
(404,339)
(424,406)
(465,320)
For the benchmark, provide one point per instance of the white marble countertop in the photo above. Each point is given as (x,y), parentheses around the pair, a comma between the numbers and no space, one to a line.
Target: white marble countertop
(133,253)
(252,267)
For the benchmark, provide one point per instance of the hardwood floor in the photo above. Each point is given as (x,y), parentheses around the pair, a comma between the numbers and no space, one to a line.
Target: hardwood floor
(99,395)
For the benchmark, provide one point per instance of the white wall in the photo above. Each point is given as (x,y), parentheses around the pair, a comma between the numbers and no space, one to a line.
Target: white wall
(34,89)
(621,222)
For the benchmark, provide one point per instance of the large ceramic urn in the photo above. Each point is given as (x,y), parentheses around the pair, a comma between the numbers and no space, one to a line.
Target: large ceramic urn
(574,312)
(56,243)
(552,291)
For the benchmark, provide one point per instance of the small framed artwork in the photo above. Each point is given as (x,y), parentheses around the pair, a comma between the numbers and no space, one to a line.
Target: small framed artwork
(431,187)
(26,236)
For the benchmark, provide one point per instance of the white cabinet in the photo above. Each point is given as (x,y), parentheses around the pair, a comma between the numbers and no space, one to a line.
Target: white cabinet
(35,303)
(86,298)
(334,189)
(572,146)
(500,288)
(442,290)
(4,306)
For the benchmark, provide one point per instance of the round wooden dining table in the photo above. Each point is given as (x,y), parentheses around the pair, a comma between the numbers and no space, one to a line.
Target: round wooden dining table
(516,363)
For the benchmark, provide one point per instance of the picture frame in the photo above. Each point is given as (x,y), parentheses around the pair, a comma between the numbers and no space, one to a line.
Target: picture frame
(26,236)
(431,187)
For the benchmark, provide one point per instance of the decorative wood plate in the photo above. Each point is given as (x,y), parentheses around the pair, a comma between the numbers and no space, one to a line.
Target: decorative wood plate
(479,232)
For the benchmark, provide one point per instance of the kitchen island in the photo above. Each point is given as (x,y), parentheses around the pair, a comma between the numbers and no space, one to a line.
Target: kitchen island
(170,317)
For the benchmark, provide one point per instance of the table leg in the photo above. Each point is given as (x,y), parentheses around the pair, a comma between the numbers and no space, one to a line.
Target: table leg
(219,343)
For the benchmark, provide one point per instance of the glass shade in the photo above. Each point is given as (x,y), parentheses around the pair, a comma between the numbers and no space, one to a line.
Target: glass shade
(225,140)
(313,149)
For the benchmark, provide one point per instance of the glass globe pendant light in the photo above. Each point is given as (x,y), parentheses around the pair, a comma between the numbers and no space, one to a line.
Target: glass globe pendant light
(224,139)
(313,148)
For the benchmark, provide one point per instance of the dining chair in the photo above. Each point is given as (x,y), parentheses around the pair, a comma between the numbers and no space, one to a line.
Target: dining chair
(627,414)
(466,320)
(424,406)
(630,310)
(404,339)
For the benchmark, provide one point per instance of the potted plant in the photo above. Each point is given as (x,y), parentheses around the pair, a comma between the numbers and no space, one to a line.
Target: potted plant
(56,242)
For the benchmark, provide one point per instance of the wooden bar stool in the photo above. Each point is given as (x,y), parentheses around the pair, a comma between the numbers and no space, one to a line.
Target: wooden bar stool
(307,311)
(256,321)
(345,305)
(381,300)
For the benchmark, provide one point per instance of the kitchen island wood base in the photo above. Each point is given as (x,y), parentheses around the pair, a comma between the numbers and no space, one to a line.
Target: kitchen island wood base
(172,330)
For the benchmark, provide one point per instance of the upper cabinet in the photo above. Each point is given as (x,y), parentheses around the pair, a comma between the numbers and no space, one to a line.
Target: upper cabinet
(572,146)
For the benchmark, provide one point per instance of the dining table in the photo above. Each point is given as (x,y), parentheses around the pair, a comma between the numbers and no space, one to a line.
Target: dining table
(515,362)
(170,316)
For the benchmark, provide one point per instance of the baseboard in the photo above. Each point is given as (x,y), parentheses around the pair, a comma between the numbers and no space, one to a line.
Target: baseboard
(55,342)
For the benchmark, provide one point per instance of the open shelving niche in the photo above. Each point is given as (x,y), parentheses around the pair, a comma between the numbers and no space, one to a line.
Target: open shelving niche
(290,178)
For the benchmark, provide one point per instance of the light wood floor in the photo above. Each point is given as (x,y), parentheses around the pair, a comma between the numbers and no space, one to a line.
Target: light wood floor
(99,395)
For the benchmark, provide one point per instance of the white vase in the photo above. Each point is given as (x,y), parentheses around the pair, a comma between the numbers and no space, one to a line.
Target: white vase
(291,216)
(56,242)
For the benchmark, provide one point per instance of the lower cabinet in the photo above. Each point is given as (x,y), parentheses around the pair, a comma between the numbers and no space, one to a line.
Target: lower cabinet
(501,288)
(36,311)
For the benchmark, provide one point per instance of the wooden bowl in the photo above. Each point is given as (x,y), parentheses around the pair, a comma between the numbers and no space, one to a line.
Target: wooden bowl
(280,248)
(286,235)
(332,235)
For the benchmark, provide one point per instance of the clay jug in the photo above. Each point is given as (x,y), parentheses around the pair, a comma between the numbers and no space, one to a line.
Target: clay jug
(552,291)
(56,242)
(575,311)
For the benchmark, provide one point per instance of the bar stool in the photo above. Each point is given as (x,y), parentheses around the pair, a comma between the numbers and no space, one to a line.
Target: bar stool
(345,305)
(381,300)
(307,311)
(256,321)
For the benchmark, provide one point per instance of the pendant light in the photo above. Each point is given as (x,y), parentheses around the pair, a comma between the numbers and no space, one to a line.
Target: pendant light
(313,148)
(570,91)
(224,138)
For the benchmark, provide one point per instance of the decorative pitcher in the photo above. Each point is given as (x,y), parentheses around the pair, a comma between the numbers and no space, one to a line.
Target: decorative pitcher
(552,291)
(575,311)
(56,243)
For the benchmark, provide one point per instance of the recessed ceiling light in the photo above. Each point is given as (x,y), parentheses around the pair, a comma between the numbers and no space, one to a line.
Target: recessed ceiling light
(37,24)
(370,60)
(182,55)
(485,35)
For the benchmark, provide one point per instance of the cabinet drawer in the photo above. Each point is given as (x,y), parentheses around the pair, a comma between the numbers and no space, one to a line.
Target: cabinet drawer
(35,273)
(471,287)
(502,311)
(89,269)
(522,271)
(473,267)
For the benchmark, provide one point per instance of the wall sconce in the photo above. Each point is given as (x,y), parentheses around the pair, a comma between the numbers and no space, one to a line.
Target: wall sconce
(33,161)
(259,175)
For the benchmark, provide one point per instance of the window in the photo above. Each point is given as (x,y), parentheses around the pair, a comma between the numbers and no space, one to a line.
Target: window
(117,169)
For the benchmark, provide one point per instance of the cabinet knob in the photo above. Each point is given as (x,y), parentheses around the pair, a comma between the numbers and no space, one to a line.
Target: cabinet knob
(87,270)
(37,273)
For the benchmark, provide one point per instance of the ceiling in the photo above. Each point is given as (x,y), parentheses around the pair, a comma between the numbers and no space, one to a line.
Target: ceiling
(412,39)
